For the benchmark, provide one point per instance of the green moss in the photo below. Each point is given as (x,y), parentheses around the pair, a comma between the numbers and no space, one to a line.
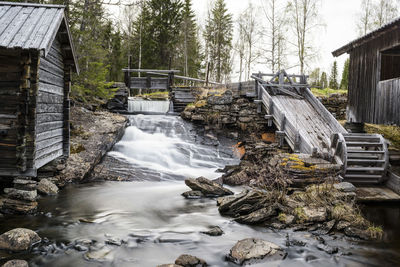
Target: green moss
(282,217)
(200,103)
(301,217)
(326,92)
(77,148)
(375,232)
(392,133)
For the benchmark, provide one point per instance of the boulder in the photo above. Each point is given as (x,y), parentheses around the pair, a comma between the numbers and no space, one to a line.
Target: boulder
(214,231)
(15,263)
(19,206)
(21,194)
(224,99)
(345,187)
(318,214)
(101,255)
(47,187)
(19,239)
(207,187)
(258,216)
(190,261)
(254,249)
(237,178)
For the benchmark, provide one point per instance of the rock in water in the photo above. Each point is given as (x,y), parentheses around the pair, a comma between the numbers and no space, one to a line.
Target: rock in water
(169,265)
(254,249)
(214,231)
(190,261)
(207,187)
(47,187)
(193,194)
(18,239)
(15,263)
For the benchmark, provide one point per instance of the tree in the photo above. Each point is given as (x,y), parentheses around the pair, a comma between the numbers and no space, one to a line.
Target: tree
(156,33)
(333,79)
(304,14)
(218,39)
(344,83)
(383,12)
(188,50)
(314,78)
(248,28)
(276,34)
(324,80)
(365,23)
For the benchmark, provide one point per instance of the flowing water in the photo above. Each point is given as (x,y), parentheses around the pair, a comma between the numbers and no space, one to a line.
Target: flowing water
(138,105)
(151,219)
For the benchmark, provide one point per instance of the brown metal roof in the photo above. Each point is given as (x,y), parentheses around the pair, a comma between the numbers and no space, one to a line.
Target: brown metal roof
(32,26)
(366,38)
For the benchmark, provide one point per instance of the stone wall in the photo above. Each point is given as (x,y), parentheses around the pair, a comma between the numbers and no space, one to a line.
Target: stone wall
(226,112)
(336,104)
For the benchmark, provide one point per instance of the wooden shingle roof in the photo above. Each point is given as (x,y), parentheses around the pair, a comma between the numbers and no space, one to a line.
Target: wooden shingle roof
(34,26)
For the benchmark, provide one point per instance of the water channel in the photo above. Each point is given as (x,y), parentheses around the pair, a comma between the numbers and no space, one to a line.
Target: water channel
(146,222)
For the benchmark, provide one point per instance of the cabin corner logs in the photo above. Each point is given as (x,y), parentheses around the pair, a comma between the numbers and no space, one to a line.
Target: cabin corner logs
(36,61)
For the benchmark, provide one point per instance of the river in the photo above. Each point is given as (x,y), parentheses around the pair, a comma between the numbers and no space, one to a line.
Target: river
(146,222)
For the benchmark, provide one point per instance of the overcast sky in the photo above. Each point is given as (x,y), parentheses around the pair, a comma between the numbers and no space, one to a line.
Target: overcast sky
(339,17)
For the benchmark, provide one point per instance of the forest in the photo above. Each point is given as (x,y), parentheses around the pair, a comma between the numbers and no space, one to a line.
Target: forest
(168,34)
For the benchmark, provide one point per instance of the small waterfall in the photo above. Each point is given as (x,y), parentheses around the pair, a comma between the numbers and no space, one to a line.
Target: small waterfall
(141,105)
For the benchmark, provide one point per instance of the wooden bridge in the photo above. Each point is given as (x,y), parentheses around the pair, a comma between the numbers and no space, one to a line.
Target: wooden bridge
(308,127)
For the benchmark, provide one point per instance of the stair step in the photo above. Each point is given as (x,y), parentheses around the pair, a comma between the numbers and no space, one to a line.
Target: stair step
(365,151)
(366,157)
(363,144)
(365,169)
(362,176)
(366,161)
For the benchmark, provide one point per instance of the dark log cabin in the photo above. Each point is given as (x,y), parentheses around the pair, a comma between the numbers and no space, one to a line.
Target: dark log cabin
(374,76)
(36,60)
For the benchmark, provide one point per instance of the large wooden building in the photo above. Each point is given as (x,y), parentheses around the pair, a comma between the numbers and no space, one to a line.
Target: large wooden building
(36,60)
(374,76)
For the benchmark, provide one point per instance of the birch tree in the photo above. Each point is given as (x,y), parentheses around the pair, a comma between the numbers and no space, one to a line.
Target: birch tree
(275,33)
(365,22)
(384,11)
(304,15)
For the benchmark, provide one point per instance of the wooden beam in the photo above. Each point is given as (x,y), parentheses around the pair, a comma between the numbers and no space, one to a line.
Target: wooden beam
(150,70)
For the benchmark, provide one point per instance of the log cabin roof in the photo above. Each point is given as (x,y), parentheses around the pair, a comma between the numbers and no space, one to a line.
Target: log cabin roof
(395,24)
(34,27)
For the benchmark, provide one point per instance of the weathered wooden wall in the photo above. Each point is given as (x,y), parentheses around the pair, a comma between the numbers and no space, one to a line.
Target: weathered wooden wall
(388,101)
(10,79)
(364,75)
(50,107)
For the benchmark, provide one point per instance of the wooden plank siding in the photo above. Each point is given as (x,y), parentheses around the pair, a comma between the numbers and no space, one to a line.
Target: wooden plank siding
(50,107)
(10,80)
(367,100)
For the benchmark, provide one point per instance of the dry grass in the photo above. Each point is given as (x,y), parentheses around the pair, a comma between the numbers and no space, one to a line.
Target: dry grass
(392,133)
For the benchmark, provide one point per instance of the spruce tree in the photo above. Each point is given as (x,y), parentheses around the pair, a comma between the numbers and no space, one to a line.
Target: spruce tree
(324,80)
(218,38)
(333,83)
(188,57)
(344,83)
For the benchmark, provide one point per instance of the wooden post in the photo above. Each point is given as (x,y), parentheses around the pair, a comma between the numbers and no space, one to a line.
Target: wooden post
(66,111)
(170,80)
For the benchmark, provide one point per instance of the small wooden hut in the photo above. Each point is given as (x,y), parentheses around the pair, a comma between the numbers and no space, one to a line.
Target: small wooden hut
(36,60)
(374,76)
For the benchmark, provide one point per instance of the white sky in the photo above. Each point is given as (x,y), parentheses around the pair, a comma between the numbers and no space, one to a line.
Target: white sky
(339,17)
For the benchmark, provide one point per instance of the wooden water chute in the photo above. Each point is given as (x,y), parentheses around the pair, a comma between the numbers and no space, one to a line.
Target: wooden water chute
(36,60)
(308,127)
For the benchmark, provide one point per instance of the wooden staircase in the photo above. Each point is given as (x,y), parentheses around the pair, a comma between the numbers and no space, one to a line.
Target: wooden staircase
(181,97)
(364,157)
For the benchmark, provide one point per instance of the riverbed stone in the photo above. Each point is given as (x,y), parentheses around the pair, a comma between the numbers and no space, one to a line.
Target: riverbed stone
(214,231)
(101,255)
(317,214)
(207,187)
(258,216)
(345,187)
(18,206)
(21,194)
(47,187)
(254,249)
(18,239)
(186,260)
(16,263)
